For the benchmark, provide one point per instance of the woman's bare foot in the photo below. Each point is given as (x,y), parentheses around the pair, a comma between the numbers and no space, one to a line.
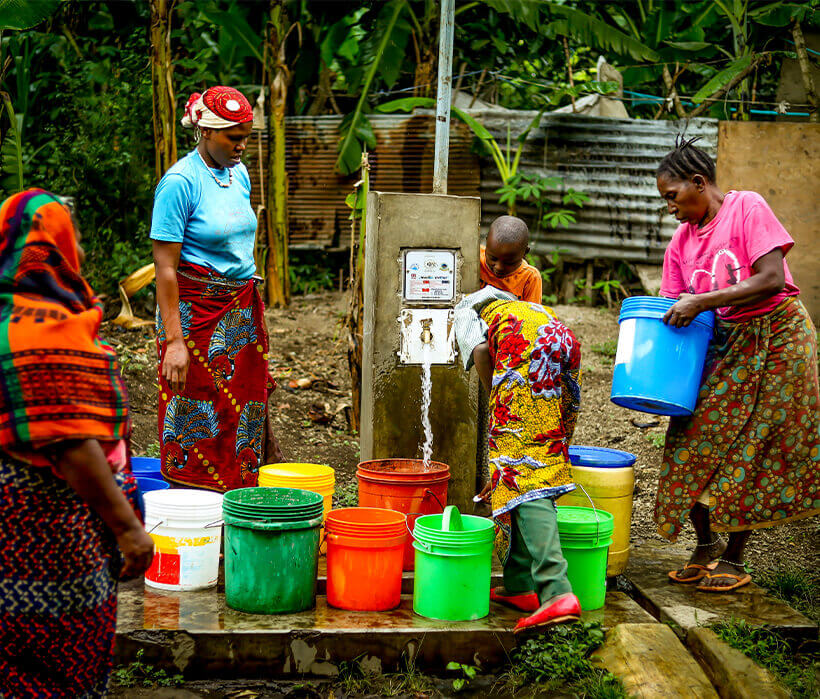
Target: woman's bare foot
(702,555)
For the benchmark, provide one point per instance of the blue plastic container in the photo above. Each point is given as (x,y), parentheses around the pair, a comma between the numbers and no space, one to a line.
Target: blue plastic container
(148,484)
(600,457)
(146,466)
(658,367)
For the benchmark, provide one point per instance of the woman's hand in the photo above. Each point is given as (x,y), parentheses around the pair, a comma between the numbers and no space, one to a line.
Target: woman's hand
(485,493)
(137,549)
(175,365)
(684,311)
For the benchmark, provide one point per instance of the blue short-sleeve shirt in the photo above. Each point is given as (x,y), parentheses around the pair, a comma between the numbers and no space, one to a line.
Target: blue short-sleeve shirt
(216,225)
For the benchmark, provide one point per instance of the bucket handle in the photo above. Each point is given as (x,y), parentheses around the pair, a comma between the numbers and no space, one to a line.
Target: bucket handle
(217,523)
(421,543)
(435,497)
(595,511)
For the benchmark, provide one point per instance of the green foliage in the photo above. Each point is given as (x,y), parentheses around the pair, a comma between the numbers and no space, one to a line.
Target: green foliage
(798,588)
(656,439)
(608,348)
(560,660)
(25,14)
(800,674)
(346,494)
(11,151)
(353,679)
(140,674)
(468,672)
(309,275)
(152,450)
(534,188)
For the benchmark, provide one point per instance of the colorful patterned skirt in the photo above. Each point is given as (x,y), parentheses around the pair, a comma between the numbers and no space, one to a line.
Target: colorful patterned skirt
(58,586)
(533,408)
(752,443)
(212,433)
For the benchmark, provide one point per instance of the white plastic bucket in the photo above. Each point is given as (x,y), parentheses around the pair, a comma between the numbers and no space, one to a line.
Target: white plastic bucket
(186,526)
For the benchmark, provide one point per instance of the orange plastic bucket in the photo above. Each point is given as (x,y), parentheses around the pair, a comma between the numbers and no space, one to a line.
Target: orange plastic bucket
(406,486)
(364,567)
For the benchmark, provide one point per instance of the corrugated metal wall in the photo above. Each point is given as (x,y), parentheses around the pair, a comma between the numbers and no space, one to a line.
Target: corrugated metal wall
(612,160)
(401,162)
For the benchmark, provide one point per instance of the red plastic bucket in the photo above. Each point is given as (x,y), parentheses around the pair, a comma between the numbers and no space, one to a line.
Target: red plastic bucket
(406,486)
(364,568)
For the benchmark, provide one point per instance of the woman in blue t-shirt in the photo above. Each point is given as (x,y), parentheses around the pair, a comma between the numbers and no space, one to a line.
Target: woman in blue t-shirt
(213,380)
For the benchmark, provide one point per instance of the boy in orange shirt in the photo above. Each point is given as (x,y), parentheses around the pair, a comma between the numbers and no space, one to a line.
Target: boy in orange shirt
(502,260)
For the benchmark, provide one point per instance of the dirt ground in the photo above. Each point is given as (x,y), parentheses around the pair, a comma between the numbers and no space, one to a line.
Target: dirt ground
(307,341)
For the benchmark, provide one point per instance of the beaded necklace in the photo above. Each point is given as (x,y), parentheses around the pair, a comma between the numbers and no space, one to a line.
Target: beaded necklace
(210,170)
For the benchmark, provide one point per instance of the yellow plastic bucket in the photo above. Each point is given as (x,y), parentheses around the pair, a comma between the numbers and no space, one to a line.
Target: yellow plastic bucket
(316,478)
(608,477)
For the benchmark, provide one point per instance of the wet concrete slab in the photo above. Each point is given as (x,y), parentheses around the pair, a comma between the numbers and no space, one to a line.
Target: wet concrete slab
(196,633)
(686,608)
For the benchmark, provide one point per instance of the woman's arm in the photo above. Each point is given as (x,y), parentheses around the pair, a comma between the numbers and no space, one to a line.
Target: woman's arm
(767,280)
(483,365)
(86,470)
(176,360)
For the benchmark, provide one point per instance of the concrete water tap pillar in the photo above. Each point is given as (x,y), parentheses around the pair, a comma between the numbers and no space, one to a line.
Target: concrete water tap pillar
(409,292)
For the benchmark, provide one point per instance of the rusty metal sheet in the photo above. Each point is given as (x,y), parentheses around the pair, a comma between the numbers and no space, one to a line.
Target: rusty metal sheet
(401,162)
(612,160)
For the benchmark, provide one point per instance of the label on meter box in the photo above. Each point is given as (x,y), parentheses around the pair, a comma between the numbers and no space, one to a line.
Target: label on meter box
(429,275)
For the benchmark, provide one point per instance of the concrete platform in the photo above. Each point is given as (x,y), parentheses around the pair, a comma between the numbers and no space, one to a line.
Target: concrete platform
(686,608)
(196,633)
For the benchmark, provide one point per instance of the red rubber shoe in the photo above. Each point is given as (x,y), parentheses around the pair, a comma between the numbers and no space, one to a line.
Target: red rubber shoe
(523,602)
(566,609)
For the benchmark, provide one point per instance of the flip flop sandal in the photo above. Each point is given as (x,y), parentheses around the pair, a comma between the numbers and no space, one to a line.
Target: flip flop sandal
(704,570)
(741,581)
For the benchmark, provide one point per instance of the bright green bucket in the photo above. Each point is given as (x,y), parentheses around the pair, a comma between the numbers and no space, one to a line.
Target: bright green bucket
(270,567)
(453,566)
(585,535)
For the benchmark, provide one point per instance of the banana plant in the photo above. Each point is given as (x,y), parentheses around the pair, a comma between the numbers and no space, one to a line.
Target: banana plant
(382,55)
(16,15)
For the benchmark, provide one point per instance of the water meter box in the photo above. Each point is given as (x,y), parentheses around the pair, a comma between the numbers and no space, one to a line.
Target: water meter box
(421,259)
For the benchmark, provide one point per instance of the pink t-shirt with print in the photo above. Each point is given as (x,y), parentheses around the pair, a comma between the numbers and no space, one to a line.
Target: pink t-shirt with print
(722,253)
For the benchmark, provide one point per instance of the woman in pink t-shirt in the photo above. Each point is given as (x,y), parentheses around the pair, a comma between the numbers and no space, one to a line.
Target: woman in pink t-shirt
(748,456)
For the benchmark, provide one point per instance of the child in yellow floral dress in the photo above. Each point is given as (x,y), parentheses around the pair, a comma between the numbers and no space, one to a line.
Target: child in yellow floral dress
(530,363)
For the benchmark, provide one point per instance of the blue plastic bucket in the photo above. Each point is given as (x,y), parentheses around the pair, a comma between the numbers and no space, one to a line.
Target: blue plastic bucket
(148,484)
(600,457)
(146,466)
(658,367)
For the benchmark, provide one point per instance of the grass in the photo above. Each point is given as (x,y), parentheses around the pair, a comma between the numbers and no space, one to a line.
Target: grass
(608,348)
(797,588)
(353,679)
(800,674)
(560,661)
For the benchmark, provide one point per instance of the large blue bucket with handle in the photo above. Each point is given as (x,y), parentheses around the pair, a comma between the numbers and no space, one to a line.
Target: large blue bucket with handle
(658,367)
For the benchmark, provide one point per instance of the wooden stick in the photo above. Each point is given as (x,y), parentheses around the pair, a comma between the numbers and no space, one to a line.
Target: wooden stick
(805,71)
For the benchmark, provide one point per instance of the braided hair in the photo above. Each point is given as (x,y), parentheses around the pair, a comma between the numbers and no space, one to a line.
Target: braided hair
(686,161)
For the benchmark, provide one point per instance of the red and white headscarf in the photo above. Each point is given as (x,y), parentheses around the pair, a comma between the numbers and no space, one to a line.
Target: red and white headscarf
(218,107)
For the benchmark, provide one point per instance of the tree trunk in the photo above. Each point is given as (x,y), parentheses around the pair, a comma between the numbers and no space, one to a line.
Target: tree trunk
(425,75)
(323,92)
(278,274)
(162,88)
(805,71)
(355,312)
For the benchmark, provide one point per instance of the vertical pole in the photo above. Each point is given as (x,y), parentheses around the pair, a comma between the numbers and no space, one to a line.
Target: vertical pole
(445,80)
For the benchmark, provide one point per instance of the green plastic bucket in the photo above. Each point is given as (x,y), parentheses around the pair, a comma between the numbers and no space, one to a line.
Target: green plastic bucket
(585,535)
(453,566)
(271,567)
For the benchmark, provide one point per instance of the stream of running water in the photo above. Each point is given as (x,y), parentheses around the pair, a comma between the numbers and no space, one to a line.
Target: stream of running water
(426,389)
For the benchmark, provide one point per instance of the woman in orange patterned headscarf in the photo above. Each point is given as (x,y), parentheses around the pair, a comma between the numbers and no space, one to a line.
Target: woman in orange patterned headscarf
(69,510)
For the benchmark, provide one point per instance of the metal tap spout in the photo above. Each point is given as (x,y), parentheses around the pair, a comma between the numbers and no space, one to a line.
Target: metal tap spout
(426,333)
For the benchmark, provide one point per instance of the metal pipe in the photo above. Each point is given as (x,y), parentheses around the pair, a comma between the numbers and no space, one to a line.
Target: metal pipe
(443,96)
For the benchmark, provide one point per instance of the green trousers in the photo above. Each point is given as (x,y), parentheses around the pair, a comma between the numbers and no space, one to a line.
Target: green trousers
(535,561)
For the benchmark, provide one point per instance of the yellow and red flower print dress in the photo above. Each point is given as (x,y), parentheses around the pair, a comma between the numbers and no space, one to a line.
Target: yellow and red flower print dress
(534,406)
